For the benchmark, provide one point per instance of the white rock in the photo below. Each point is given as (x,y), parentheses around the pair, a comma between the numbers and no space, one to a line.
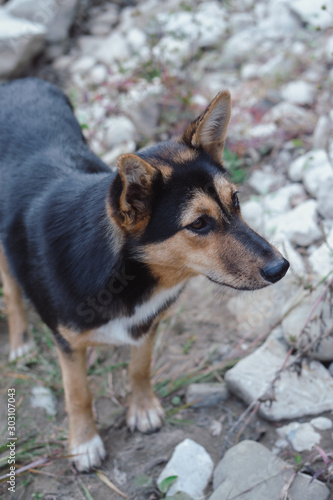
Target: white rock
(42,397)
(321,259)
(205,395)
(312,12)
(136,39)
(254,214)
(311,160)
(118,129)
(278,66)
(329,50)
(193,466)
(309,393)
(83,65)
(299,225)
(113,48)
(299,92)
(249,71)
(325,198)
(280,201)
(301,436)
(291,118)
(319,329)
(203,27)
(173,52)
(322,133)
(57,16)
(20,41)
(264,180)
(316,172)
(251,472)
(321,423)
(98,74)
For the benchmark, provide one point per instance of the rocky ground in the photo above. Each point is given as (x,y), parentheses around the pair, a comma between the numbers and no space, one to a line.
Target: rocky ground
(244,378)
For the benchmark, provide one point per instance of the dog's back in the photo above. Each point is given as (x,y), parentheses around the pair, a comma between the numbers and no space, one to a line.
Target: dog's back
(44,161)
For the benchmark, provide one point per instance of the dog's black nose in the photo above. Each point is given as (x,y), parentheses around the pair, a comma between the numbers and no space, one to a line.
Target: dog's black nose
(275,270)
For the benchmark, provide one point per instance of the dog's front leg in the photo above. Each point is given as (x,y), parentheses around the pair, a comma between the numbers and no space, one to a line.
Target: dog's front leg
(145,411)
(85,444)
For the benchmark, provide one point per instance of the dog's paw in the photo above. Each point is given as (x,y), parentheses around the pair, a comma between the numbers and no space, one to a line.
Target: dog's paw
(21,350)
(145,414)
(88,455)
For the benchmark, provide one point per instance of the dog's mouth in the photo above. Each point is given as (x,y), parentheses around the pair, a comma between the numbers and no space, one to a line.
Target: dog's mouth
(242,288)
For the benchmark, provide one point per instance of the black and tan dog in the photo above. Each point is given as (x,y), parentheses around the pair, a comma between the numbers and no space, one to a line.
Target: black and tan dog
(101,255)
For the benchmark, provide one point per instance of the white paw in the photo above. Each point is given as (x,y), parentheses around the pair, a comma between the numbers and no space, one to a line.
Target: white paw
(146,415)
(22,350)
(88,455)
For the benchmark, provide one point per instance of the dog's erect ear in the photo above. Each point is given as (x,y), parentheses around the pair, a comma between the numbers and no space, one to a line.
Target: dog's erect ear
(135,192)
(209,130)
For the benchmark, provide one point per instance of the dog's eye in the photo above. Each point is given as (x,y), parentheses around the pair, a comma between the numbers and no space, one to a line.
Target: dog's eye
(198,224)
(235,199)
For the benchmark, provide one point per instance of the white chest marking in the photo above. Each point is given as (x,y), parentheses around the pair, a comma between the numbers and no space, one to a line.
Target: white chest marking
(116,331)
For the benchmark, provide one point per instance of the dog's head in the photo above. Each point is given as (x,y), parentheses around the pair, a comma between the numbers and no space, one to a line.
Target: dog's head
(175,202)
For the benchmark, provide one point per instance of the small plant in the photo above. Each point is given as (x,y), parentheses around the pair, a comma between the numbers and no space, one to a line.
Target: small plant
(234,165)
(166,484)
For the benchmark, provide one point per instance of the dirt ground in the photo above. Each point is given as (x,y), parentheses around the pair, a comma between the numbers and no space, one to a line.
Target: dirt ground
(195,336)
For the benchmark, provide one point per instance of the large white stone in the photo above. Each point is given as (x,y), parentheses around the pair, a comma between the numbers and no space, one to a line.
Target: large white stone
(316,174)
(57,16)
(118,129)
(202,27)
(193,466)
(291,118)
(325,198)
(299,224)
(312,12)
(173,52)
(20,41)
(299,92)
(98,74)
(322,133)
(113,48)
(309,393)
(318,330)
(316,158)
(321,259)
(250,471)
(264,180)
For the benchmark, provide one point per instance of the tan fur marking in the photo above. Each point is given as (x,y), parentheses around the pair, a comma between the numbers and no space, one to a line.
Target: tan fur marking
(17,319)
(225,189)
(78,340)
(200,204)
(145,411)
(78,398)
(166,171)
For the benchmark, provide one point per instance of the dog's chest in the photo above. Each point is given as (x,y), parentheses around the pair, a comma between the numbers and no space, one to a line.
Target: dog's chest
(122,330)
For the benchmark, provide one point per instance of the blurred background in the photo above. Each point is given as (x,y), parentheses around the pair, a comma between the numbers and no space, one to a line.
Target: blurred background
(255,366)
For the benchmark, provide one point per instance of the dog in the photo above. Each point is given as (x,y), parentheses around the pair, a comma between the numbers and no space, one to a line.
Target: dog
(102,254)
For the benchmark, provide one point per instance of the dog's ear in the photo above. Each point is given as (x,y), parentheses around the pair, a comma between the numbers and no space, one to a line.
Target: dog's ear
(209,130)
(134,191)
